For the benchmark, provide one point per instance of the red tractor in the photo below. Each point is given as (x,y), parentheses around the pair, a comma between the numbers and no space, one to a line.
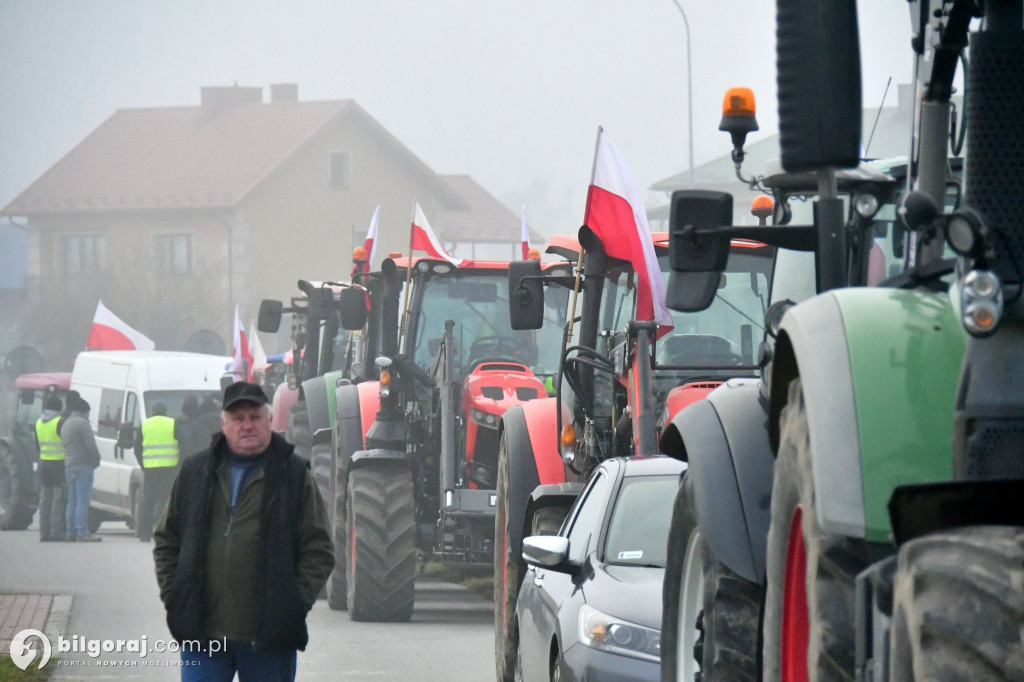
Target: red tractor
(414,451)
(617,384)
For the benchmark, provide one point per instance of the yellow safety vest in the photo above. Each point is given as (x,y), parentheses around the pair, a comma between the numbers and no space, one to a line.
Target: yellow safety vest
(159,448)
(50,447)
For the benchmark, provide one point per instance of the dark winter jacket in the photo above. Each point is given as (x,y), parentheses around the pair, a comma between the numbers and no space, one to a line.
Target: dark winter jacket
(251,575)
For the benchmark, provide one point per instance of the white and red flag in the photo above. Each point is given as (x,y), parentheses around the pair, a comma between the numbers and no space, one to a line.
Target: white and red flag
(615,212)
(259,356)
(422,238)
(525,236)
(241,356)
(370,245)
(110,332)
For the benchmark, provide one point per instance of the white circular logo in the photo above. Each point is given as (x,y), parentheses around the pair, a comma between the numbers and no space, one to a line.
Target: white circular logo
(23,652)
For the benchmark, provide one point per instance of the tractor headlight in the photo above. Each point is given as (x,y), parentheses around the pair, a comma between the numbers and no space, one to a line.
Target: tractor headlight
(865,204)
(981,302)
(488,421)
(616,636)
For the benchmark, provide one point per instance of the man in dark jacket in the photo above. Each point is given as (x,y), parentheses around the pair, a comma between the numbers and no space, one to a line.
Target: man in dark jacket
(243,549)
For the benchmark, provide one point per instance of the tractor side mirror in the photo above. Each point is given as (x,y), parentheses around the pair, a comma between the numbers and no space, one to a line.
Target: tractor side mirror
(526,294)
(819,84)
(269,319)
(698,251)
(352,308)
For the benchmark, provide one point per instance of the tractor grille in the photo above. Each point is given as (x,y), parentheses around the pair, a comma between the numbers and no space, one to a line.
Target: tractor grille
(524,393)
(994,171)
(492,392)
(995,449)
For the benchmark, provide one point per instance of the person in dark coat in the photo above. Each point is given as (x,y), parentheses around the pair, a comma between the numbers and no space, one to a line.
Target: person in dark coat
(243,549)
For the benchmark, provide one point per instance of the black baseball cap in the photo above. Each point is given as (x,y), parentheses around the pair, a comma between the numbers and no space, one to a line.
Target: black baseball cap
(243,391)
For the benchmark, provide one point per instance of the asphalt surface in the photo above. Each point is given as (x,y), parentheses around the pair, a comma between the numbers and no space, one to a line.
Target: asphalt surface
(113,596)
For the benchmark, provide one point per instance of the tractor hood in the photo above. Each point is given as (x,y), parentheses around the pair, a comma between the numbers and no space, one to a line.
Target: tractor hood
(494,386)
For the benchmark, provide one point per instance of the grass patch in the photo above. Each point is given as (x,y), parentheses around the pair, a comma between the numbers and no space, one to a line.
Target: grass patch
(11,673)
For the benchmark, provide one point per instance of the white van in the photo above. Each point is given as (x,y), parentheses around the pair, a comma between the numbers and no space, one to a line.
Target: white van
(121,387)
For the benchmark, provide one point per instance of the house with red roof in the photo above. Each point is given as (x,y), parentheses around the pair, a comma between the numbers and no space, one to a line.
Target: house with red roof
(173,215)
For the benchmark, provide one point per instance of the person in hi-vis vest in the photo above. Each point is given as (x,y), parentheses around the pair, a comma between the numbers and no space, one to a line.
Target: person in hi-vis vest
(53,498)
(156,448)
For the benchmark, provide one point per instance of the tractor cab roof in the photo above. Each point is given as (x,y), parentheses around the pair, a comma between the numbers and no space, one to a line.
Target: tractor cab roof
(40,381)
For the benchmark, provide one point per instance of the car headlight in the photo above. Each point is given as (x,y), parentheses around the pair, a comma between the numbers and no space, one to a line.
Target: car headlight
(616,636)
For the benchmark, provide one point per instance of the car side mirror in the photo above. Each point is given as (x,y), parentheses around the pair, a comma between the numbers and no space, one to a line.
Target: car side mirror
(126,436)
(546,551)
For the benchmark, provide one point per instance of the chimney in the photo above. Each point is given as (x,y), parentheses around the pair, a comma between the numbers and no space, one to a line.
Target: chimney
(217,98)
(284,92)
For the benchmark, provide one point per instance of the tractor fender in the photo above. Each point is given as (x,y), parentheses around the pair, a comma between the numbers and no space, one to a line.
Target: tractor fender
(879,370)
(315,392)
(541,427)
(369,405)
(724,440)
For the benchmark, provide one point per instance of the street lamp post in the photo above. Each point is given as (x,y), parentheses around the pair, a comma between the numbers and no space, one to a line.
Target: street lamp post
(689,86)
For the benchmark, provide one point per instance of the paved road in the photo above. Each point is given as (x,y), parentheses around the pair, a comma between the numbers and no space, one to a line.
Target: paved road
(115,597)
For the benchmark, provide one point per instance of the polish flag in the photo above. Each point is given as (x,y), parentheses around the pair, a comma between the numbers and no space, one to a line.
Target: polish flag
(259,356)
(370,245)
(241,361)
(109,332)
(525,237)
(615,212)
(422,238)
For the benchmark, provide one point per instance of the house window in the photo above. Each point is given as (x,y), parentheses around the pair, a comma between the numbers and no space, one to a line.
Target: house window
(174,253)
(83,254)
(341,169)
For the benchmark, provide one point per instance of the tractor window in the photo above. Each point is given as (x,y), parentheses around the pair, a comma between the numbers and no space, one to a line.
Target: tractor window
(727,332)
(478,304)
(30,406)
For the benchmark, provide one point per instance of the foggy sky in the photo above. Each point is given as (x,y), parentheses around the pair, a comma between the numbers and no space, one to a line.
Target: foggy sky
(510,92)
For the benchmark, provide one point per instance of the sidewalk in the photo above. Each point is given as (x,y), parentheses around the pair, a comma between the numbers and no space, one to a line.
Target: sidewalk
(47,613)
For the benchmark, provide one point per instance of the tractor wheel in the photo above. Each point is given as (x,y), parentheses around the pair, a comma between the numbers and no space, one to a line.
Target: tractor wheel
(95,518)
(20,504)
(710,615)
(322,469)
(382,544)
(958,609)
(509,567)
(808,629)
(343,444)
(548,521)
(299,433)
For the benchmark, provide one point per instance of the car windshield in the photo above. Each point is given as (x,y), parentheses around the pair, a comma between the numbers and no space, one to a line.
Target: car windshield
(173,400)
(638,528)
(478,304)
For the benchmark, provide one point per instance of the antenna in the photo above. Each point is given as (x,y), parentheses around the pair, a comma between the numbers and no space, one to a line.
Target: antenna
(877,116)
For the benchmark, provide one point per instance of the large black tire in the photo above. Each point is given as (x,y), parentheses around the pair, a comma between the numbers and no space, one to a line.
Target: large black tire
(323,469)
(21,496)
(382,535)
(829,562)
(710,615)
(511,496)
(958,609)
(95,518)
(299,433)
(344,442)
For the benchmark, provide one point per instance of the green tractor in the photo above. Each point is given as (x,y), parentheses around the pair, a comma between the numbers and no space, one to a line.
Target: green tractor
(885,440)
